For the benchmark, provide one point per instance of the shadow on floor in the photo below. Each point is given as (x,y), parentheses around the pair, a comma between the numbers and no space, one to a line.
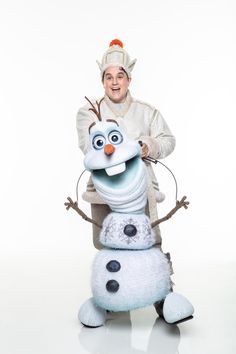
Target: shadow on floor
(115,337)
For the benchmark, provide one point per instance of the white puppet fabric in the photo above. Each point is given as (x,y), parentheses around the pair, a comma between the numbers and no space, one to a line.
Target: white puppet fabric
(127,231)
(120,177)
(129,273)
(125,196)
(91,315)
(141,122)
(138,279)
(176,307)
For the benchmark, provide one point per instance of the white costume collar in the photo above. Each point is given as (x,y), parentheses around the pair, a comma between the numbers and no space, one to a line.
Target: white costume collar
(119,109)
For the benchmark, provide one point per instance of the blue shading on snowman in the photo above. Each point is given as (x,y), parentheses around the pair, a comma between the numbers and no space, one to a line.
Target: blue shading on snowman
(129,272)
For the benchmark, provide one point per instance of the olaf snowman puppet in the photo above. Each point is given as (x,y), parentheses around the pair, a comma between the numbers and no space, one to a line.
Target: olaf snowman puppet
(129,272)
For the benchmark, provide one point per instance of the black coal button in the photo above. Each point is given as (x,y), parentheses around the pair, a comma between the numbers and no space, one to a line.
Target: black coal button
(113,266)
(130,230)
(112,286)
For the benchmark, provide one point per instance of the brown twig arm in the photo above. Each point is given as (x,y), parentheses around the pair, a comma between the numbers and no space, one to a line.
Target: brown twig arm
(74,205)
(183,203)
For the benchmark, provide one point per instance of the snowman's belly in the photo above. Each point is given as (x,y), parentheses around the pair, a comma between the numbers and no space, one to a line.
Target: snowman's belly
(123,280)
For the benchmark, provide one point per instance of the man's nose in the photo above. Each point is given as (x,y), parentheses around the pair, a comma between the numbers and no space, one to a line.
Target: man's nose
(109,149)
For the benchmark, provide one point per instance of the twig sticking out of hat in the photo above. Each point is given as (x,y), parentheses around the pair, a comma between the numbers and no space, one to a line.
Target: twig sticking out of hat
(94,110)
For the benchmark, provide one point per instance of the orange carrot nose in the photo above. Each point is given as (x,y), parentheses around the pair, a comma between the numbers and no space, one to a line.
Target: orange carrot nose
(109,149)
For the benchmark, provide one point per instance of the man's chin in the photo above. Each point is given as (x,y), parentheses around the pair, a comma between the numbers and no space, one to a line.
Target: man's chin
(117,98)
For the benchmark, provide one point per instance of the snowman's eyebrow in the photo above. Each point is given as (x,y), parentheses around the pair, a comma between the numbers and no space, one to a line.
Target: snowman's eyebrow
(91,125)
(107,120)
(112,120)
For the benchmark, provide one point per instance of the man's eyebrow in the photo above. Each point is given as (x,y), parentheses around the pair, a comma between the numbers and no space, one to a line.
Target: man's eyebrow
(91,125)
(119,72)
(112,120)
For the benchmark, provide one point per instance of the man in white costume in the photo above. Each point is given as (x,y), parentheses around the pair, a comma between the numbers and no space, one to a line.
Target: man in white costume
(141,122)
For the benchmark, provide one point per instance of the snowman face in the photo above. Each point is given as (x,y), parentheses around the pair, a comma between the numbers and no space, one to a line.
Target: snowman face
(112,157)
(110,149)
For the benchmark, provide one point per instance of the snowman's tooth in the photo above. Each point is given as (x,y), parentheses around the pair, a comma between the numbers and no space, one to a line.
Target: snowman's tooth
(115,170)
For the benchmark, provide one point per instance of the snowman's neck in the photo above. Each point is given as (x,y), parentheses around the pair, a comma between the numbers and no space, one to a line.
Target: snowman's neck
(130,198)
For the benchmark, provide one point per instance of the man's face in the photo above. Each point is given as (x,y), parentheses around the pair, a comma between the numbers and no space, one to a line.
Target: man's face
(116,84)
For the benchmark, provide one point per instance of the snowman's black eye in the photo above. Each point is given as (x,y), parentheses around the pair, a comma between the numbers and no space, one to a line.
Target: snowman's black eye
(115,137)
(99,142)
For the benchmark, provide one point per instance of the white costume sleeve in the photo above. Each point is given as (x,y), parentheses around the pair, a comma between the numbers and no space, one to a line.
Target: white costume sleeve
(84,119)
(161,141)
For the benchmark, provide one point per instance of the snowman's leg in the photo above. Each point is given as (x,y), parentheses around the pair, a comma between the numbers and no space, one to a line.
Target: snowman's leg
(159,307)
(91,315)
(160,304)
(177,308)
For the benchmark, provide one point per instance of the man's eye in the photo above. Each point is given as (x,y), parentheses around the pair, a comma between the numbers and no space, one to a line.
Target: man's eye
(115,137)
(99,142)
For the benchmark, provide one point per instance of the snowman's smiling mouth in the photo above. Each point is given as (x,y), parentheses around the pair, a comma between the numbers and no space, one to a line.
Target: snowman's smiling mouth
(114,170)
(118,176)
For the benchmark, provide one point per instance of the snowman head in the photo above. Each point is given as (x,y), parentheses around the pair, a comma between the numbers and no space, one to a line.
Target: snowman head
(118,172)
(110,148)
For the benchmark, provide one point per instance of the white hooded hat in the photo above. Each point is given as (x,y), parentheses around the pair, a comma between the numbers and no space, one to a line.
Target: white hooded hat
(116,56)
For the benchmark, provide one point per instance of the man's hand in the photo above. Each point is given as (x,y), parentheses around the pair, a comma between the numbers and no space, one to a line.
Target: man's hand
(144,150)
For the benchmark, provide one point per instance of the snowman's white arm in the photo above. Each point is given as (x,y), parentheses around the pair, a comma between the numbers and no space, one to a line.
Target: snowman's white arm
(74,205)
(183,203)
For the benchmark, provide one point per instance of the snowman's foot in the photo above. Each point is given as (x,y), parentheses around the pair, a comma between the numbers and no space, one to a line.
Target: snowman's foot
(183,320)
(177,308)
(90,315)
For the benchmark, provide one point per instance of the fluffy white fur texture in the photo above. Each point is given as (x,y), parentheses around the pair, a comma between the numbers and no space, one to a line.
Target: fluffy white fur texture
(113,236)
(144,278)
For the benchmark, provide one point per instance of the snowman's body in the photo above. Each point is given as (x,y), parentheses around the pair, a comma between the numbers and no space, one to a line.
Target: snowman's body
(124,280)
(130,272)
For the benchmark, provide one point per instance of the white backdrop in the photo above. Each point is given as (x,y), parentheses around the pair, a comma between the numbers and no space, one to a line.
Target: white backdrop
(186,57)
(186,67)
